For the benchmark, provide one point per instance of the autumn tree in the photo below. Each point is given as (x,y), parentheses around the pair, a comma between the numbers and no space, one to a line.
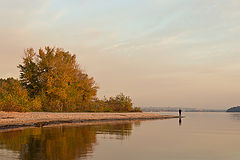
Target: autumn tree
(54,75)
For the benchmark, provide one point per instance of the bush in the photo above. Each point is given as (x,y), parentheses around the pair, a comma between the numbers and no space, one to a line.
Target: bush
(119,103)
(137,109)
(14,98)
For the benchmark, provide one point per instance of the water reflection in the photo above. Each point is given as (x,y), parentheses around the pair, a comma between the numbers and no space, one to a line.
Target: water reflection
(235,116)
(120,131)
(62,143)
(180,121)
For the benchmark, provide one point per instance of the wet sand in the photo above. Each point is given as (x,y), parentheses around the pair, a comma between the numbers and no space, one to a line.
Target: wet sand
(13,120)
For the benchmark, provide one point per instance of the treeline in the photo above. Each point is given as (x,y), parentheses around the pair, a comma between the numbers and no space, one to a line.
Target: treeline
(51,80)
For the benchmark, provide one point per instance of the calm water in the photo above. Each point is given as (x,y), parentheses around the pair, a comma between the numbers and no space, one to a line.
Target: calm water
(199,136)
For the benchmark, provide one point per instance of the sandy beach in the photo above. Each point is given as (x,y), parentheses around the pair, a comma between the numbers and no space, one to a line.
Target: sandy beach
(12,120)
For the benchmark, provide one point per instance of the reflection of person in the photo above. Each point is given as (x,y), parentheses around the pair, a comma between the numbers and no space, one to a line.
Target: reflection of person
(180,112)
(180,121)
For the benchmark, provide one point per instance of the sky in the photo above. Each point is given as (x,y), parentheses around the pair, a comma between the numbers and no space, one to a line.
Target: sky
(180,53)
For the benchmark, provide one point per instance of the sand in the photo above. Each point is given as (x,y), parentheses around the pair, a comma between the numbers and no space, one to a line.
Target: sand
(12,120)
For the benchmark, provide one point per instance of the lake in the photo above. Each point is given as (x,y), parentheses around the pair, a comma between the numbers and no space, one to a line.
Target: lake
(199,136)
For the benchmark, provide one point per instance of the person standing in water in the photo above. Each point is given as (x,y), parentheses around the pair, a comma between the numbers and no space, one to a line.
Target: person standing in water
(180,112)
(180,117)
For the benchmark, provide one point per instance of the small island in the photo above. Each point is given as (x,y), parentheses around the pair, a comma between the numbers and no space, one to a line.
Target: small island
(234,109)
(51,82)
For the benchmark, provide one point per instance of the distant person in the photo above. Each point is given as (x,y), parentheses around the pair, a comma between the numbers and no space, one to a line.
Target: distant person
(180,117)
(180,112)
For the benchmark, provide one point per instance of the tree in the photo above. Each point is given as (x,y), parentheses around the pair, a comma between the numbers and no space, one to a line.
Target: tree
(54,75)
(29,73)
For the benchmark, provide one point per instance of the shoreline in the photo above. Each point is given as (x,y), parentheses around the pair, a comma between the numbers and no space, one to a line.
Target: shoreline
(14,120)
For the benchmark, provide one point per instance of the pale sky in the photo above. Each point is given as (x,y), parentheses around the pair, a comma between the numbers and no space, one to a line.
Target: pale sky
(179,53)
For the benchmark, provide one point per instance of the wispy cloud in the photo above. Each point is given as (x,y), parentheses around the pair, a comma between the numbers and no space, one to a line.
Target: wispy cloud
(149,48)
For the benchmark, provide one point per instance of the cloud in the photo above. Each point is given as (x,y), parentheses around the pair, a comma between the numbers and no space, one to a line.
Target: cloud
(148,49)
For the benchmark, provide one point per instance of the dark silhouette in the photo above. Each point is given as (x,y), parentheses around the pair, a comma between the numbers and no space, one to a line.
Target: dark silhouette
(180,121)
(180,112)
(180,117)
(234,109)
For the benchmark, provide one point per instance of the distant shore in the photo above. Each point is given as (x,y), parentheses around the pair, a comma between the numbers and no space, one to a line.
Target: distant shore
(13,120)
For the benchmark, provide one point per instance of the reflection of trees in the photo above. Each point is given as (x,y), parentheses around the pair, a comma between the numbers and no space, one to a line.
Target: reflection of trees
(137,123)
(46,143)
(119,130)
(62,143)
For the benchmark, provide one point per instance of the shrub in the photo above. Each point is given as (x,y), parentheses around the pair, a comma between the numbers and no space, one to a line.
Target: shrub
(14,98)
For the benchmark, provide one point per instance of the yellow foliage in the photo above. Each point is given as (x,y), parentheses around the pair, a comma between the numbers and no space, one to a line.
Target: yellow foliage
(51,80)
